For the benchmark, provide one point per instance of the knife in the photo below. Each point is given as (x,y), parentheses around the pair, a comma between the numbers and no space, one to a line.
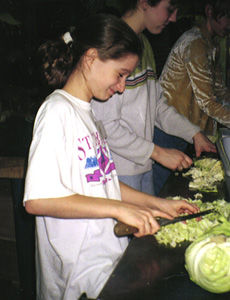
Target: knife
(122,229)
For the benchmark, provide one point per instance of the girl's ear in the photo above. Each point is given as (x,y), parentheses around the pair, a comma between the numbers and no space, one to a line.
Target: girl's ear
(90,56)
(143,4)
(208,10)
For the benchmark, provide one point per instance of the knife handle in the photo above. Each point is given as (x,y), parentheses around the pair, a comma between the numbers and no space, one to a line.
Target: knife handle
(122,229)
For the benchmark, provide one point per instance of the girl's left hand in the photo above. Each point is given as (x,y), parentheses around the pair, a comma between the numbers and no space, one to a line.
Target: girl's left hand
(176,207)
(203,144)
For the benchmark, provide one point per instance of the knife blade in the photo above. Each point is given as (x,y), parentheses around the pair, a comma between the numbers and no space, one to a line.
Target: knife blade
(122,229)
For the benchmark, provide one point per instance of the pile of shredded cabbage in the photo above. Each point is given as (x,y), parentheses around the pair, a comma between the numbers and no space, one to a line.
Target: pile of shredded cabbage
(175,234)
(205,173)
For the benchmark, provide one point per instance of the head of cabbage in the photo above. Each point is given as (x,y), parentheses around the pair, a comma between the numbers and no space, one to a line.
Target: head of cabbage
(207,259)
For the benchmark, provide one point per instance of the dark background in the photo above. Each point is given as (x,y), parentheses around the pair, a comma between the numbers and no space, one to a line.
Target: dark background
(25,24)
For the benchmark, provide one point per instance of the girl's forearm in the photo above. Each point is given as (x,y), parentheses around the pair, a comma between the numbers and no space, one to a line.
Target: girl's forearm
(75,206)
(134,197)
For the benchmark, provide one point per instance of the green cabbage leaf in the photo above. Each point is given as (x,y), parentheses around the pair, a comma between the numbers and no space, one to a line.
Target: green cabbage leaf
(174,235)
(205,174)
(207,259)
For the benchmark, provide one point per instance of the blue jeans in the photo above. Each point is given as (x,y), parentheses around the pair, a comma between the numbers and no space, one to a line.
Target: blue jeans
(141,182)
(160,173)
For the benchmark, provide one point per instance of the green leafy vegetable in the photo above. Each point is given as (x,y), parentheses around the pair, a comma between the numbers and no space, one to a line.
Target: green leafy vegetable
(205,173)
(207,260)
(175,234)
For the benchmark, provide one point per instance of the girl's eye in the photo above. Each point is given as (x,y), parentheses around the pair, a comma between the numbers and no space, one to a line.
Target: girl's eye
(171,10)
(120,75)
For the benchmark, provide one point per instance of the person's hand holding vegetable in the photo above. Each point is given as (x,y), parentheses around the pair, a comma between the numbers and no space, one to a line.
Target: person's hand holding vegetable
(203,144)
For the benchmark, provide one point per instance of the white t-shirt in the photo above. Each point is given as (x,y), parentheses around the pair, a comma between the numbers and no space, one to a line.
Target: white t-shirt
(68,156)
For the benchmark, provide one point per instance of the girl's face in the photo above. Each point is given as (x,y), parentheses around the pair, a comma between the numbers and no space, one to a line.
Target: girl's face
(221,27)
(108,77)
(159,16)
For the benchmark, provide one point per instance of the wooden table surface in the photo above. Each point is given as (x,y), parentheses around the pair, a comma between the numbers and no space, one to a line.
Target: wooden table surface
(12,167)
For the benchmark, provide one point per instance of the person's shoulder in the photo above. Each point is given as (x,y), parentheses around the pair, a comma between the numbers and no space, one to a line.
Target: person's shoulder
(189,36)
(59,98)
(54,112)
(199,42)
(190,39)
(56,104)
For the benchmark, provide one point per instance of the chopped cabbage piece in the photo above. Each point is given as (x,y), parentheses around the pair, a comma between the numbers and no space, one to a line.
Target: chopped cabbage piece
(205,173)
(175,234)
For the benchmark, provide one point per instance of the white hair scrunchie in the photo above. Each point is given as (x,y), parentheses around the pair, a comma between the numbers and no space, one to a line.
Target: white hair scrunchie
(67,38)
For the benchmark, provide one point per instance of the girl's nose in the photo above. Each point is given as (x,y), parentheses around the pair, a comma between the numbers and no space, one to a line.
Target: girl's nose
(121,86)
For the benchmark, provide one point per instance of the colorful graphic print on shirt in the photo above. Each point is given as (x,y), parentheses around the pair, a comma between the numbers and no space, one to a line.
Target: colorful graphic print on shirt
(97,158)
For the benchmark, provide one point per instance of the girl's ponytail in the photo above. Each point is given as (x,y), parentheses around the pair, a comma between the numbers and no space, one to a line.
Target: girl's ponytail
(56,61)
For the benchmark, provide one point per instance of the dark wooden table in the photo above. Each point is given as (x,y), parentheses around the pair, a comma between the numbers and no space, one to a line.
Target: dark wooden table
(150,271)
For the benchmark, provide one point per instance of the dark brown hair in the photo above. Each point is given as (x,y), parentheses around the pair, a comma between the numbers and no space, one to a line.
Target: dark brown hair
(220,8)
(127,5)
(111,36)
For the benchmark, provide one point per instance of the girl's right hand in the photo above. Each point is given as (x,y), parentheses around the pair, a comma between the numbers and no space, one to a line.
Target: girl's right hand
(142,218)
(171,158)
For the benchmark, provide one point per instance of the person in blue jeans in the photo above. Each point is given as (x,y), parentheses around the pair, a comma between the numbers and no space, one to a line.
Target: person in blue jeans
(161,173)
(129,118)
(193,66)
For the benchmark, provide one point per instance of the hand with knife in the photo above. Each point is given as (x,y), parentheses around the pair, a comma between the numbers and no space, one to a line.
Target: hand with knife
(122,229)
(140,210)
